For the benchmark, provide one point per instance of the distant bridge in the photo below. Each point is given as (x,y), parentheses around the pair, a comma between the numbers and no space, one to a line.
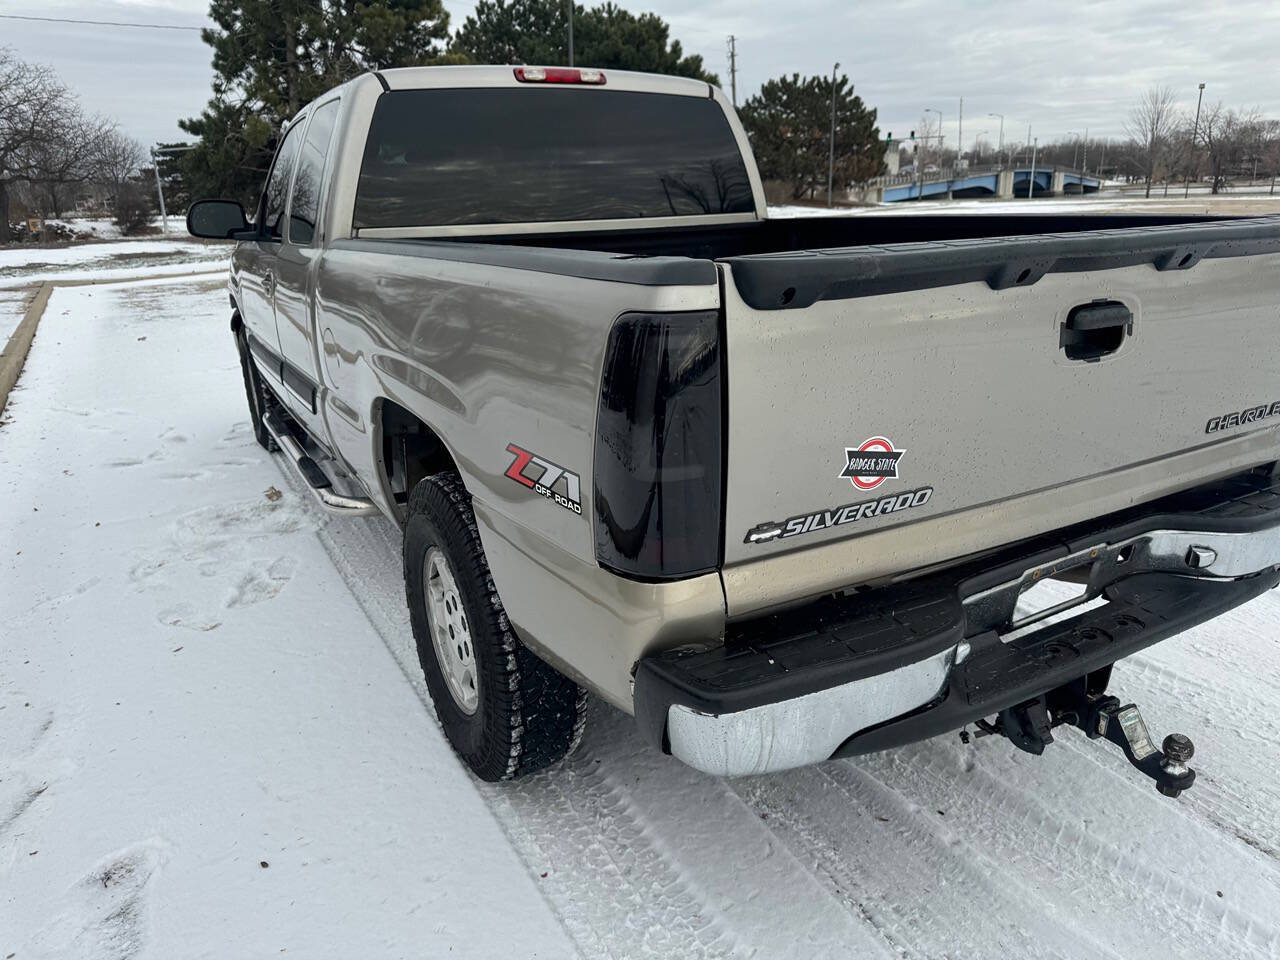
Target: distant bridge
(979,182)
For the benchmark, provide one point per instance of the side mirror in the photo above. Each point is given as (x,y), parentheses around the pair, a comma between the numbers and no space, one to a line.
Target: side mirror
(218,220)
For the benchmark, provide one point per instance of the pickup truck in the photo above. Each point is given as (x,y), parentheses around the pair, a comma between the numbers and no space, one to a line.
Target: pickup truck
(782,489)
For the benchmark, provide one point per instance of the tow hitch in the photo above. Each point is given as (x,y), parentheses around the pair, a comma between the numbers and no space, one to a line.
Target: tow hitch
(1084,704)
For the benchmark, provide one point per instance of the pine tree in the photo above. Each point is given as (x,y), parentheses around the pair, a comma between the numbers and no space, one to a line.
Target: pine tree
(607,36)
(789,124)
(270,57)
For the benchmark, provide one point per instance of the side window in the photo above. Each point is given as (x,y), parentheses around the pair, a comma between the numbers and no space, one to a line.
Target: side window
(304,203)
(278,185)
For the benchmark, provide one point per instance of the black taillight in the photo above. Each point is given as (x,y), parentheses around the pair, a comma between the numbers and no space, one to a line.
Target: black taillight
(659,456)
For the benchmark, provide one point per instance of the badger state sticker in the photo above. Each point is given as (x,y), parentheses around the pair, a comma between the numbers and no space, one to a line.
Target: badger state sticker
(872,463)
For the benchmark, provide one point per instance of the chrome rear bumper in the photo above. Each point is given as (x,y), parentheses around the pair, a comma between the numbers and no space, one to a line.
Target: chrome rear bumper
(885,667)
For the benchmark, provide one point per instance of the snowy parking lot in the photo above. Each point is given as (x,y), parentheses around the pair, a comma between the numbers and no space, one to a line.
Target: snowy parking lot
(215,740)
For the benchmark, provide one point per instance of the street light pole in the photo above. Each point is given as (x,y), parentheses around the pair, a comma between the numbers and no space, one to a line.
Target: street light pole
(1000,148)
(1195,133)
(1031,184)
(831,153)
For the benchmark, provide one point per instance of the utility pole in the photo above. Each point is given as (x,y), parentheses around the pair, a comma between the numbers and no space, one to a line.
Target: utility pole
(155,166)
(960,136)
(164,217)
(733,69)
(831,154)
(1000,148)
(1085,164)
(1075,156)
(1031,184)
(571,33)
(1195,132)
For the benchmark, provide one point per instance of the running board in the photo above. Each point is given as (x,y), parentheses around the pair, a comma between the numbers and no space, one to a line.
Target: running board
(311,474)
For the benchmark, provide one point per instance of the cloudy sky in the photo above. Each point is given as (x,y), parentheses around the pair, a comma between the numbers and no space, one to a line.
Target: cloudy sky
(1061,67)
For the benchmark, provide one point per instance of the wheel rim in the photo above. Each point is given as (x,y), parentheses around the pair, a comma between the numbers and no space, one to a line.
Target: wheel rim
(450,631)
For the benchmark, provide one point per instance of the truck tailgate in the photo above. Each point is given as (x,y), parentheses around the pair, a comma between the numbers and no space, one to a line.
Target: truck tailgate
(967,394)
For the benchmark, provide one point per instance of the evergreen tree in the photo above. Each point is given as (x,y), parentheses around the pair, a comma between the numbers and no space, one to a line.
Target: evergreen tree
(789,124)
(607,36)
(270,57)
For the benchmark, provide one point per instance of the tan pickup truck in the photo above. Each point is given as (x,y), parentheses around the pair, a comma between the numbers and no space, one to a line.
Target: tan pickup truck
(782,489)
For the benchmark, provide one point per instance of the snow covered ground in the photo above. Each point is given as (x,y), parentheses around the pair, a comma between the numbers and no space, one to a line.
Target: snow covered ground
(13,303)
(215,741)
(22,265)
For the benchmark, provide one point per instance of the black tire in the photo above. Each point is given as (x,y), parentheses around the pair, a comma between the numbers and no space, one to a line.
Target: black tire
(256,393)
(528,715)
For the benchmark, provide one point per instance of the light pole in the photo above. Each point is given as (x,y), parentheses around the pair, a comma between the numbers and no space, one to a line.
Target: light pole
(973,154)
(155,165)
(1000,147)
(1075,157)
(1031,184)
(939,113)
(831,152)
(1195,133)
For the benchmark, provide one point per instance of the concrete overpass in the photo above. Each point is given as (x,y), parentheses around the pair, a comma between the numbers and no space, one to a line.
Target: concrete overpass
(980,182)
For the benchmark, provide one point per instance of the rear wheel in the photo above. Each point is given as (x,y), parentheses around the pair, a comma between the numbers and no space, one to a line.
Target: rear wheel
(505,712)
(255,392)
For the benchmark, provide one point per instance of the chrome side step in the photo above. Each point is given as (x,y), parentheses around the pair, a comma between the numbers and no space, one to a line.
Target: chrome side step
(312,475)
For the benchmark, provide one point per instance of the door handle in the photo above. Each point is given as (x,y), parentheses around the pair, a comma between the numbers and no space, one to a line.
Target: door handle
(1094,330)
(268,283)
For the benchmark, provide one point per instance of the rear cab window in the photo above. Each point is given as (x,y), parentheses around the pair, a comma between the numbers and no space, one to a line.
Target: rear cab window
(276,190)
(500,155)
(304,199)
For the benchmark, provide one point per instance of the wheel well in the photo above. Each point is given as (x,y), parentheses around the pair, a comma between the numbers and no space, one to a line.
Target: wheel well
(409,451)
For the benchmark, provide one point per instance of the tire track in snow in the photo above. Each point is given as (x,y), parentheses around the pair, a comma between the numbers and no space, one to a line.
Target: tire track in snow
(1129,849)
(909,872)
(1236,788)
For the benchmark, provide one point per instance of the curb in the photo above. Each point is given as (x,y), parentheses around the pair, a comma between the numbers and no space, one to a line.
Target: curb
(19,343)
(14,355)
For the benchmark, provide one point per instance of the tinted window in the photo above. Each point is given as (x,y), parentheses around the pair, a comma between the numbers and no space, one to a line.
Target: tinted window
(304,202)
(527,155)
(277,183)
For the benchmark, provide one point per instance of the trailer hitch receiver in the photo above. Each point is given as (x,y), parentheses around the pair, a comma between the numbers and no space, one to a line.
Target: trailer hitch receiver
(1082,704)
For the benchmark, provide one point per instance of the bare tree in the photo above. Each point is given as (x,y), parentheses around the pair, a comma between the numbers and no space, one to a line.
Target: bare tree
(1227,136)
(1151,124)
(119,158)
(68,154)
(45,139)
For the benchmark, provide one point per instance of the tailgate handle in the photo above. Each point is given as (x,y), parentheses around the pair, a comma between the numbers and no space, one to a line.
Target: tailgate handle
(1093,330)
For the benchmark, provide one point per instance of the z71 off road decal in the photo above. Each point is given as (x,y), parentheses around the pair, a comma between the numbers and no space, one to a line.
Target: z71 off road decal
(838,516)
(542,477)
(871,464)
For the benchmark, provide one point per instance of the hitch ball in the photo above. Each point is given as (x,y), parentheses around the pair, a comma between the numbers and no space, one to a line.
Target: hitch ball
(1178,748)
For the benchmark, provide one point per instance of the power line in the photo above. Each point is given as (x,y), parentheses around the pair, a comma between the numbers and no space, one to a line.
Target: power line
(99,23)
